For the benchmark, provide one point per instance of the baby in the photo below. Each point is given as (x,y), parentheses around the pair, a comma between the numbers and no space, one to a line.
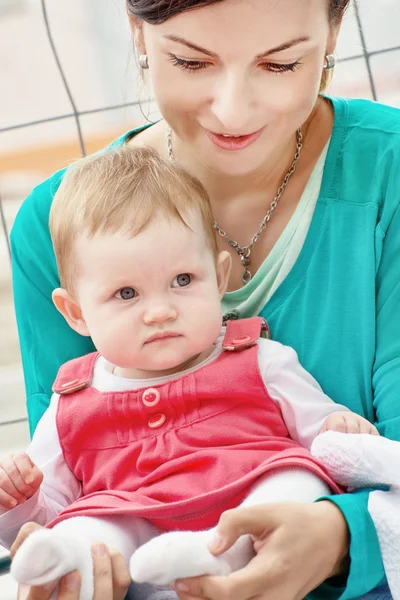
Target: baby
(176,418)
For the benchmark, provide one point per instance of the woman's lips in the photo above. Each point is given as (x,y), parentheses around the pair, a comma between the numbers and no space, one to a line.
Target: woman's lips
(233,142)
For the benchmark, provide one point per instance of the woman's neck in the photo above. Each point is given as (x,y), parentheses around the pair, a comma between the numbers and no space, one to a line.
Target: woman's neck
(255,186)
(227,187)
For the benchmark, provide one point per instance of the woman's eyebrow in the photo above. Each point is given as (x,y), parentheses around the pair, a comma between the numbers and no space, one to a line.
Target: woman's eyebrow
(180,40)
(281,48)
(284,46)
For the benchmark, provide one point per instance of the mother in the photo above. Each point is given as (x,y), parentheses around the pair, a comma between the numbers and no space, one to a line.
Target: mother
(238,84)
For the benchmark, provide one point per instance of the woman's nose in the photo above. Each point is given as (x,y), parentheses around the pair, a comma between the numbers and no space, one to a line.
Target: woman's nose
(232,104)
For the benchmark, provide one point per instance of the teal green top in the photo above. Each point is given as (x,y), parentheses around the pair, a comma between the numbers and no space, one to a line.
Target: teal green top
(339,306)
(251,299)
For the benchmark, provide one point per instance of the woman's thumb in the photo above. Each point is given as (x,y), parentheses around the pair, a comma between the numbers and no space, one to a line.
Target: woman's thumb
(255,520)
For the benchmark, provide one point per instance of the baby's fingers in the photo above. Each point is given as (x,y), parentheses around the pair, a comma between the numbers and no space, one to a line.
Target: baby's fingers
(11,469)
(30,473)
(367,427)
(7,487)
(23,474)
(6,500)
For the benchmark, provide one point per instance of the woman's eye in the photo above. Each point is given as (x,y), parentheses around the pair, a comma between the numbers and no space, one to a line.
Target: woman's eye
(187,65)
(182,280)
(126,293)
(279,68)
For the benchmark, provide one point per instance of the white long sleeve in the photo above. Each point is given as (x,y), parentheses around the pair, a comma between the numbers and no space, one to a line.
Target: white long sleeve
(302,402)
(59,487)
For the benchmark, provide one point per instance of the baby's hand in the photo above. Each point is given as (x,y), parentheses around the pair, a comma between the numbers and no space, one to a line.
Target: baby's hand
(348,422)
(19,480)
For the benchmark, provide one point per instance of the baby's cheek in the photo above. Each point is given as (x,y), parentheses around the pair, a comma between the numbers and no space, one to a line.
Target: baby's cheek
(207,327)
(115,341)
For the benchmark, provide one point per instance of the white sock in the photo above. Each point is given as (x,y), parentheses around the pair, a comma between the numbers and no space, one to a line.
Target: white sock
(362,460)
(48,554)
(182,554)
(358,459)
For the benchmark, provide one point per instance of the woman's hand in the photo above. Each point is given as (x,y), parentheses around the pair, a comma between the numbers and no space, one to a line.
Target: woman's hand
(298,546)
(111,575)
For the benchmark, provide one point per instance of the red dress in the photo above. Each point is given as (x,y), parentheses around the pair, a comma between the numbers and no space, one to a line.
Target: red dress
(180,453)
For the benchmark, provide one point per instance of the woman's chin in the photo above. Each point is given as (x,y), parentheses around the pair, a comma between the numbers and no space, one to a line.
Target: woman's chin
(238,163)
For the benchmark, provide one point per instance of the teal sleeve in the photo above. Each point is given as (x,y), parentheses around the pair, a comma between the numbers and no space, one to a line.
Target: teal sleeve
(366,567)
(46,340)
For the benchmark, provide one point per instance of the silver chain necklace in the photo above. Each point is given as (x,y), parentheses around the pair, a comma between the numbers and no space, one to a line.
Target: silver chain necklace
(244,252)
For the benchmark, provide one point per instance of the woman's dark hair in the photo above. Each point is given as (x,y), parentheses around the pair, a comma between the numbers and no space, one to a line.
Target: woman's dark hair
(155,12)
(158,11)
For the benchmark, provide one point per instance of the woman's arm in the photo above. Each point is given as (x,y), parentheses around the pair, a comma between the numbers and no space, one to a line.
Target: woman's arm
(321,536)
(366,564)
(46,340)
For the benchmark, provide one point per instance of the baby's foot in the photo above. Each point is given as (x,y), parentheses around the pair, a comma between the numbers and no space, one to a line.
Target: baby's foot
(181,554)
(47,555)
(359,460)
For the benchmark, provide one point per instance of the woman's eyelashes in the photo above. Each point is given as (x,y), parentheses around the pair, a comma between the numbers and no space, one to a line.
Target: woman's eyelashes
(199,65)
(187,65)
(281,68)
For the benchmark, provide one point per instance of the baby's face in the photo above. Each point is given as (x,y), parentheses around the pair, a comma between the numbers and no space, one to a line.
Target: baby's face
(152,302)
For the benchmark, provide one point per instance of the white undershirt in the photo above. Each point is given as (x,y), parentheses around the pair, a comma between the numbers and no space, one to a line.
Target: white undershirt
(303,405)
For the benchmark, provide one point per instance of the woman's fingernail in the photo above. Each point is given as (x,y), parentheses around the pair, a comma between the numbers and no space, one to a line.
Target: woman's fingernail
(181,587)
(72,581)
(216,543)
(99,550)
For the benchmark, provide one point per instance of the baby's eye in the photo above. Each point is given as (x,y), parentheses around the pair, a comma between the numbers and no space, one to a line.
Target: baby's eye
(126,293)
(182,280)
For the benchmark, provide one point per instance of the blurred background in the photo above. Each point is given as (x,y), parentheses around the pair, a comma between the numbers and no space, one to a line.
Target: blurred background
(43,126)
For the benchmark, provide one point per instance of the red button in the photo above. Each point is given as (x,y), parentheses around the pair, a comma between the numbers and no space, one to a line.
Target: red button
(151,397)
(242,340)
(156,421)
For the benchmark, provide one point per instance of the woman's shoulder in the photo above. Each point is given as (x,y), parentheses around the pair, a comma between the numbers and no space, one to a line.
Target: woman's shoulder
(367,155)
(30,234)
(366,141)
(31,222)
(368,120)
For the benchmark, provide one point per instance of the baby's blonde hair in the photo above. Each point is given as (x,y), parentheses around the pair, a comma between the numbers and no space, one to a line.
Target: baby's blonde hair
(122,190)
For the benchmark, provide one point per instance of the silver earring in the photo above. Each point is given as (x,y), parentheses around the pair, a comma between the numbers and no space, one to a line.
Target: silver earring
(143,61)
(330,62)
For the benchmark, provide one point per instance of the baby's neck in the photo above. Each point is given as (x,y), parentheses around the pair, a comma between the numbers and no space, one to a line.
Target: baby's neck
(132,373)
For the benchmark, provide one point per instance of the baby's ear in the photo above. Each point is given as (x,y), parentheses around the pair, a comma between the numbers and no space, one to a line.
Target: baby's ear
(224,265)
(70,310)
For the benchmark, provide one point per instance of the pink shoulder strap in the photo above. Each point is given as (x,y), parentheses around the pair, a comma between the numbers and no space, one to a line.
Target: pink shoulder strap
(244,333)
(75,375)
